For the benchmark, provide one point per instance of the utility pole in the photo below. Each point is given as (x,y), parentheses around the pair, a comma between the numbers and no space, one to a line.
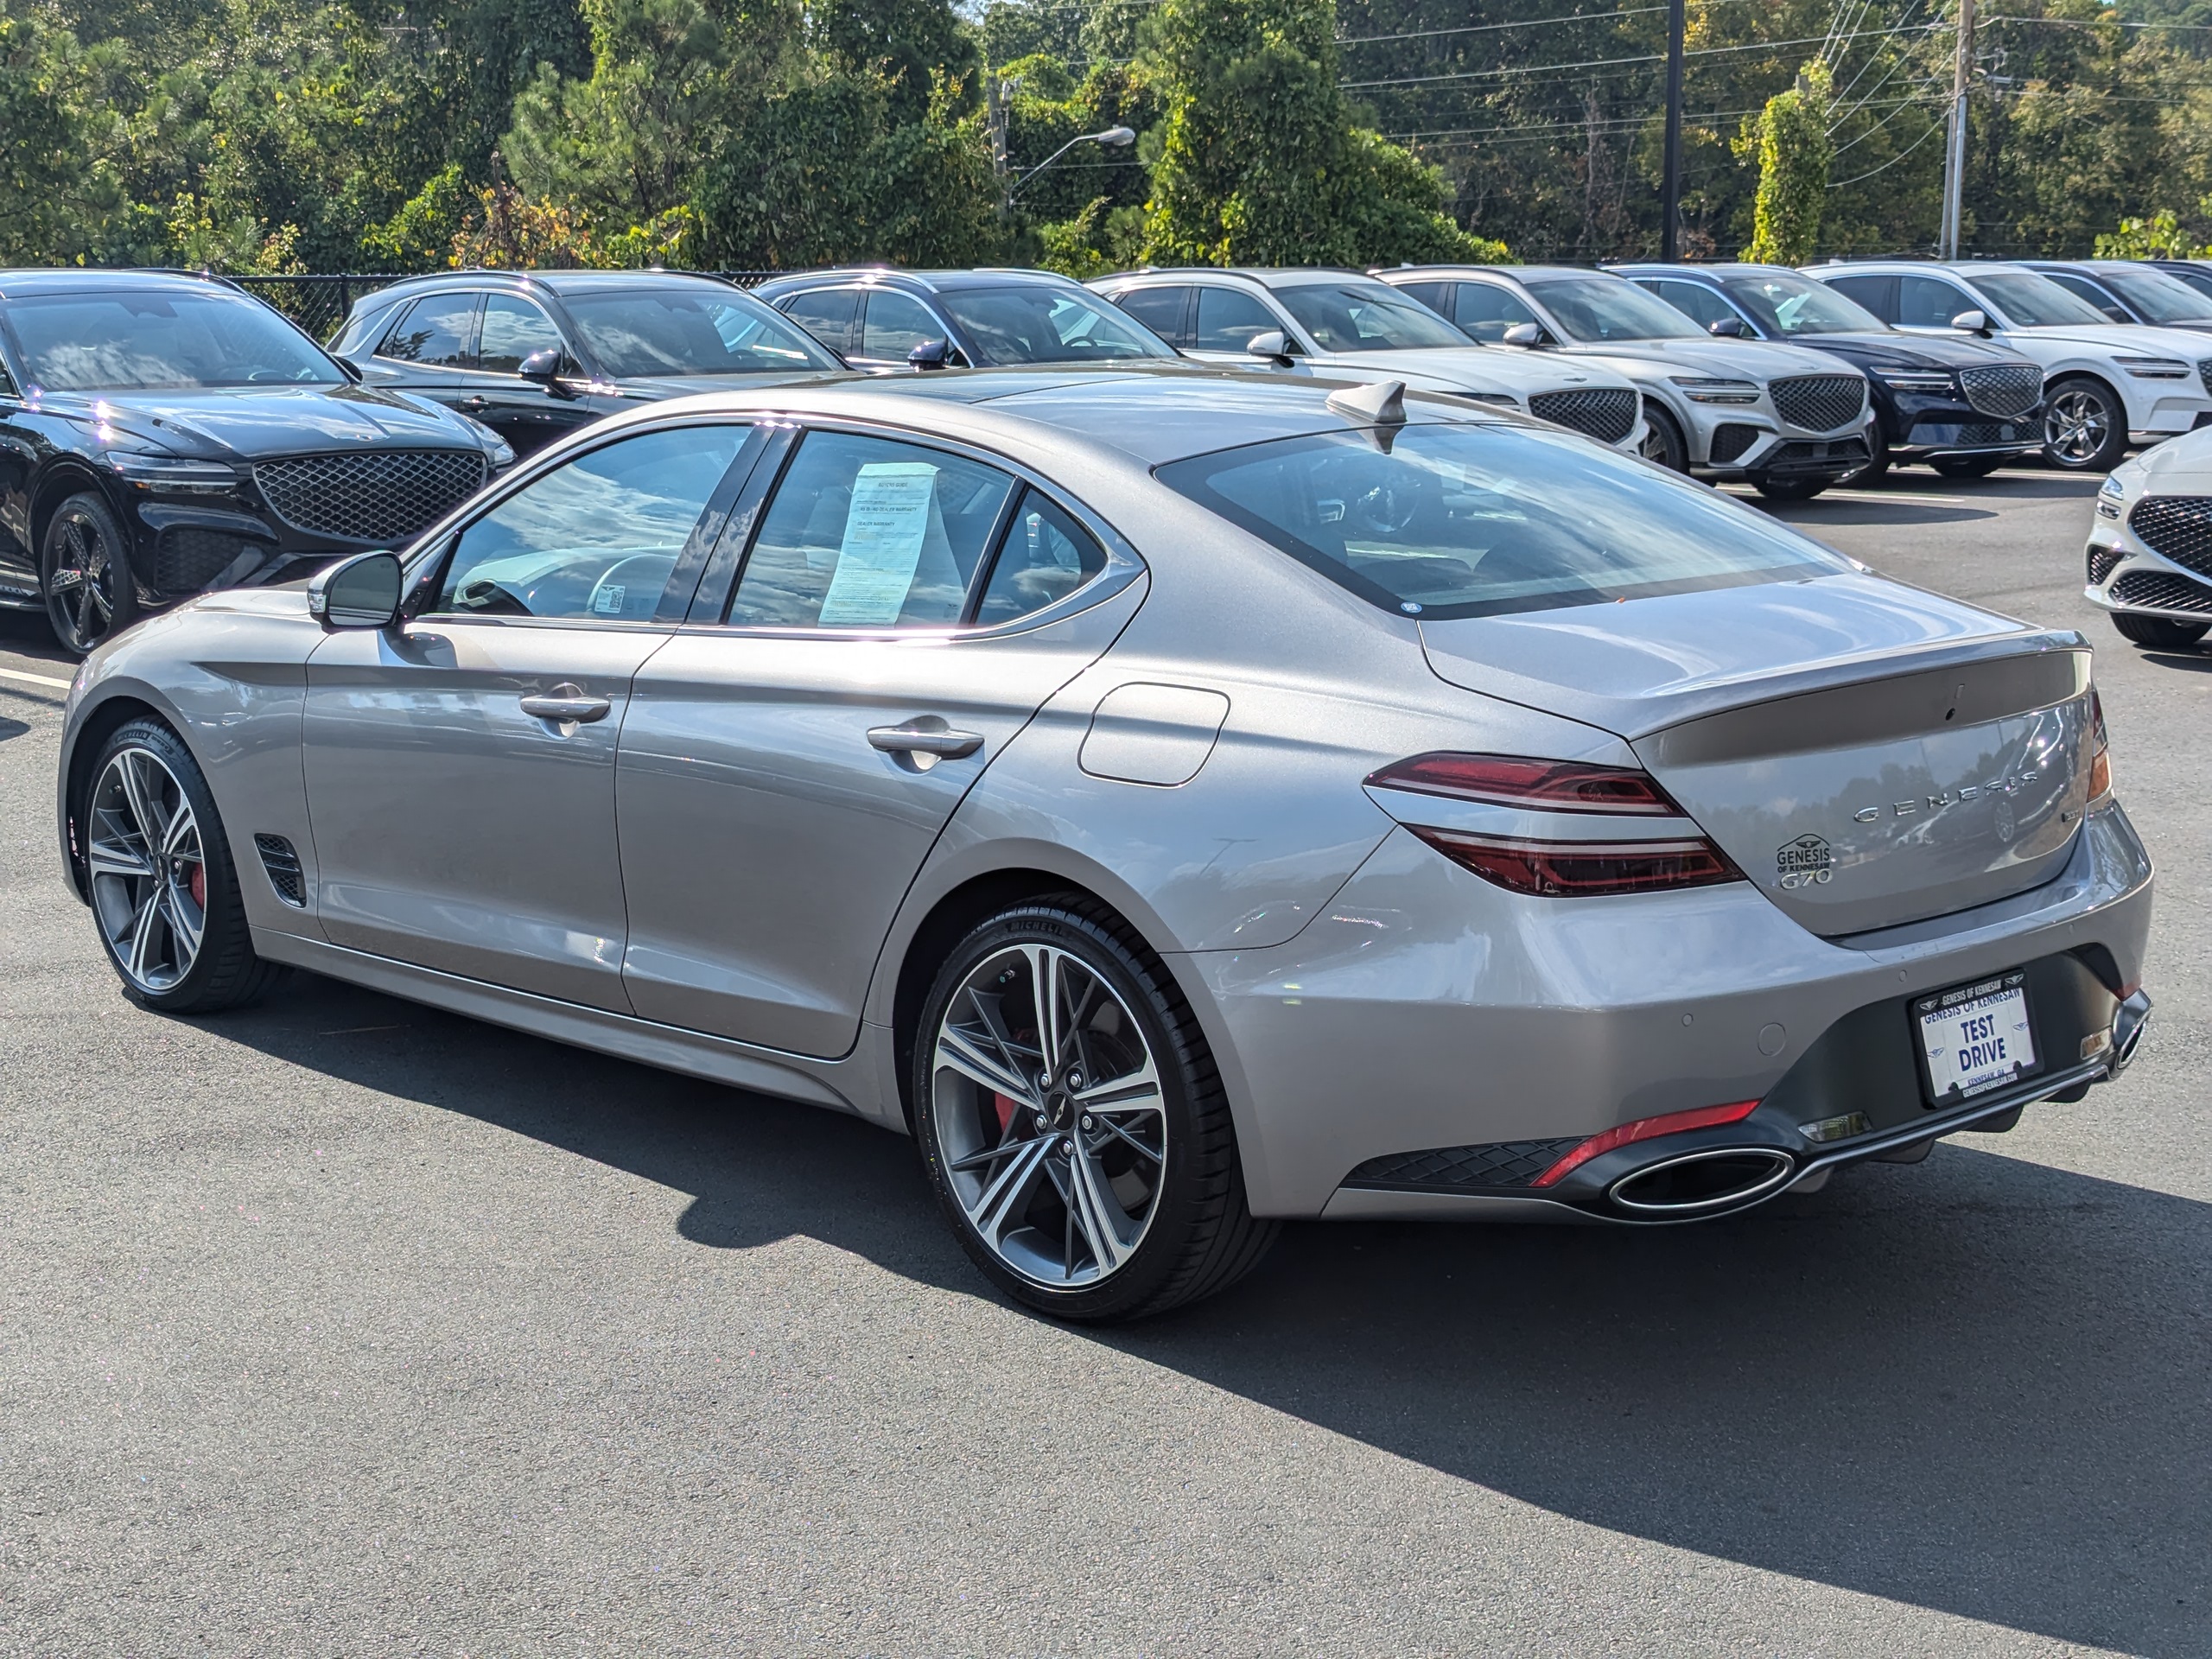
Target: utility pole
(1954,163)
(1671,188)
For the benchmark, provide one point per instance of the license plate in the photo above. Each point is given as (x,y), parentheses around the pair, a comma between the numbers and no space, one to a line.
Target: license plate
(1976,1038)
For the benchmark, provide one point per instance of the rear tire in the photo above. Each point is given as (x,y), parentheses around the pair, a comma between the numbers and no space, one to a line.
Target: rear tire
(1967,465)
(164,892)
(2158,633)
(84,575)
(1083,1156)
(1789,489)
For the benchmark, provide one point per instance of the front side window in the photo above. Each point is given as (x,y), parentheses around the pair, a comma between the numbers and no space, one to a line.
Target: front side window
(1358,315)
(1693,300)
(2197,282)
(896,324)
(1485,311)
(825,313)
(2159,296)
(1594,309)
(1932,303)
(596,539)
(2082,288)
(1485,519)
(643,333)
(867,532)
(1159,309)
(1047,325)
(1787,304)
(129,341)
(2033,301)
(512,330)
(1879,294)
(1228,320)
(439,331)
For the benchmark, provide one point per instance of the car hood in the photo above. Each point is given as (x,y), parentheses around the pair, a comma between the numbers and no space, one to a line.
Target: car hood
(1893,351)
(2122,337)
(2180,466)
(1731,359)
(1468,368)
(1637,668)
(256,422)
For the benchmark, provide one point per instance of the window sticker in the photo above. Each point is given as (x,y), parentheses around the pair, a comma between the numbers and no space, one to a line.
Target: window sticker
(893,511)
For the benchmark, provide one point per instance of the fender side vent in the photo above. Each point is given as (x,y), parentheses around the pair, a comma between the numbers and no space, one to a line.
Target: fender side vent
(282,863)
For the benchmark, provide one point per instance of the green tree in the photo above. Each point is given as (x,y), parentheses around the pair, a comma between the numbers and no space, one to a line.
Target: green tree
(60,186)
(1263,162)
(1789,139)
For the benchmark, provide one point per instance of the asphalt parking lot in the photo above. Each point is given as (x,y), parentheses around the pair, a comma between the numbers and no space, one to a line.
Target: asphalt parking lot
(345,1327)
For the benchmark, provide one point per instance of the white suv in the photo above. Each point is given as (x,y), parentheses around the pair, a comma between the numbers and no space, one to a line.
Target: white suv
(2106,384)
(1344,325)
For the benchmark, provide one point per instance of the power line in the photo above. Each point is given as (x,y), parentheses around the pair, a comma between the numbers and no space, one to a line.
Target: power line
(1595,63)
(1933,127)
(1525,23)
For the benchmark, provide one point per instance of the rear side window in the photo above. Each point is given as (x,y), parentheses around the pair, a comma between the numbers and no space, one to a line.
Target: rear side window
(439,331)
(1485,519)
(867,532)
(1046,556)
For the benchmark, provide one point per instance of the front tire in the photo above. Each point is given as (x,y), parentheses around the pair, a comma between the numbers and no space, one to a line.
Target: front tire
(2084,426)
(84,575)
(165,891)
(1072,1121)
(2158,633)
(1662,439)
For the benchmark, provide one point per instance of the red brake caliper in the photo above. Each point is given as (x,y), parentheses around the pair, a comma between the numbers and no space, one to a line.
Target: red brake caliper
(199,886)
(1005,1110)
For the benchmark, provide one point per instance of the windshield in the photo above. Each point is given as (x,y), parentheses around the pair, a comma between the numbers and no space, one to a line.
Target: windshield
(2033,301)
(1594,308)
(169,340)
(2159,296)
(1786,304)
(643,331)
(1047,325)
(1355,315)
(1477,520)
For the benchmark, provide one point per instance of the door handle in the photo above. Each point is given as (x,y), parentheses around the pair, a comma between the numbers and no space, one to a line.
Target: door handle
(569,705)
(928,735)
(474,406)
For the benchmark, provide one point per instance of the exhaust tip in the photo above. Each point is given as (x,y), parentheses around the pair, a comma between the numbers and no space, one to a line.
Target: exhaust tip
(1699,1182)
(2127,1026)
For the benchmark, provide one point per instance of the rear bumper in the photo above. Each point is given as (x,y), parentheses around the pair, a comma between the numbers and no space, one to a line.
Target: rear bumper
(1427,1012)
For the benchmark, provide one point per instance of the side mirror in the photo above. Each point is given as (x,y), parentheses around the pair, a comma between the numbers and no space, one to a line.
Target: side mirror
(929,356)
(351,370)
(1726,327)
(544,367)
(362,592)
(1974,322)
(1274,345)
(1527,335)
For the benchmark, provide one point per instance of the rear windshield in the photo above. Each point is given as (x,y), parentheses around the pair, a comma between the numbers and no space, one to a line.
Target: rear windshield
(160,340)
(1479,520)
(643,333)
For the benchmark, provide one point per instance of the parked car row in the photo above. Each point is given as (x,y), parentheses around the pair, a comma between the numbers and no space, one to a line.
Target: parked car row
(161,433)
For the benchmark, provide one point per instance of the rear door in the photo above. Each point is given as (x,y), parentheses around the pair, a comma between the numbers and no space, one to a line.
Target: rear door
(789,759)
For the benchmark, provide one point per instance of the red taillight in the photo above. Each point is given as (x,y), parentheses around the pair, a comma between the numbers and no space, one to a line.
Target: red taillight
(2100,752)
(1541,785)
(1561,870)
(1700,1117)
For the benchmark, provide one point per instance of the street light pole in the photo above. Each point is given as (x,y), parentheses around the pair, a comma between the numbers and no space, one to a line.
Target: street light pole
(1671,188)
(1114,136)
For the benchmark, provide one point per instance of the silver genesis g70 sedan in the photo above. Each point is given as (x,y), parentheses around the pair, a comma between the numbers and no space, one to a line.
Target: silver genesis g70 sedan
(1179,801)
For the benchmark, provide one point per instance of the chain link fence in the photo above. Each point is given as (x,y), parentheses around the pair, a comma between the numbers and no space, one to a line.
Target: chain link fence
(319,303)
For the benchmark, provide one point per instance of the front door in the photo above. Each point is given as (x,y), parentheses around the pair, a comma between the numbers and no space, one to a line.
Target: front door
(461,766)
(526,413)
(786,767)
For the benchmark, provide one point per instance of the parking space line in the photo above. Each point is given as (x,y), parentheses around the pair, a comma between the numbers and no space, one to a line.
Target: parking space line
(33,679)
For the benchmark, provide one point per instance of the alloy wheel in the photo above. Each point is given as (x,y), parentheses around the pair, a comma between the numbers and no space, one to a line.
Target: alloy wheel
(2077,427)
(80,586)
(1049,1116)
(150,873)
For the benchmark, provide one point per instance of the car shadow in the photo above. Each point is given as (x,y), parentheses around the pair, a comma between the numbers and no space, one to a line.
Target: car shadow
(2192,662)
(1977,1385)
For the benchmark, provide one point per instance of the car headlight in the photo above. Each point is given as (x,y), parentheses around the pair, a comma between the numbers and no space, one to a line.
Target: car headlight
(173,473)
(496,450)
(1700,390)
(1910,380)
(2154,368)
(2111,497)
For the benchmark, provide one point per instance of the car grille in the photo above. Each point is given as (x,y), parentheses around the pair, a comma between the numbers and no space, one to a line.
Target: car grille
(2155,590)
(1731,440)
(377,495)
(1977,434)
(2103,561)
(2007,393)
(1840,450)
(1607,415)
(1820,403)
(1502,1163)
(2204,372)
(2176,527)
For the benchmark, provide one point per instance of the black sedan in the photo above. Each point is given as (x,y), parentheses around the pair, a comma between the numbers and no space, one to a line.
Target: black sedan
(1963,406)
(886,320)
(162,434)
(536,354)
